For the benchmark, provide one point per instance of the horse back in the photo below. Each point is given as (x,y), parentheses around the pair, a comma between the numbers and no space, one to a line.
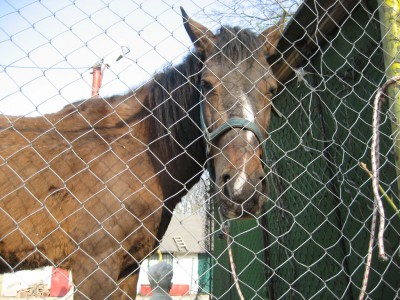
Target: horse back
(64,190)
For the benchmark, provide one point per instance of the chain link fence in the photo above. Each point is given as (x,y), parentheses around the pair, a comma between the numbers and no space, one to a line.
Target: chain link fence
(313,239)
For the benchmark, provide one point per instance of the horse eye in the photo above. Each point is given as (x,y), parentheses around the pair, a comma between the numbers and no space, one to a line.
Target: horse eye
(206,86)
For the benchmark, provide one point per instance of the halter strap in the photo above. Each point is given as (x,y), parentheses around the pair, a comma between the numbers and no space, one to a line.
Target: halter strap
(228,125)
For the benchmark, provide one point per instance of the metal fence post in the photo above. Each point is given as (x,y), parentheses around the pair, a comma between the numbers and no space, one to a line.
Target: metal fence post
(389,12)
(97,77)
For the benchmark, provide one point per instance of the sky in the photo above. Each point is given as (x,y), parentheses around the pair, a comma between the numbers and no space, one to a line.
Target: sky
(47,48)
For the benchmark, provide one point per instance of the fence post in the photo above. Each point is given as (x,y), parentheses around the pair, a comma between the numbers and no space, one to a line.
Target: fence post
(116,54)
(97,77)
(389,12)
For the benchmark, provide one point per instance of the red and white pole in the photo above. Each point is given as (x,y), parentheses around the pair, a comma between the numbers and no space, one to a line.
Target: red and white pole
(113,56)
(97,77)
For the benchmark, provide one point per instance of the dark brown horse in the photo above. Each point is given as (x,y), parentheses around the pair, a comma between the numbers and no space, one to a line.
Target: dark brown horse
(92,187)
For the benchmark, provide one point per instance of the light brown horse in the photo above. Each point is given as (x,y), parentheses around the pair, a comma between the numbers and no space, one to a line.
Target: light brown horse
(92,187)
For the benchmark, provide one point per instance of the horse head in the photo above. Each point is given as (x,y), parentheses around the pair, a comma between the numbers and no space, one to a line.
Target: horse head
(237,86)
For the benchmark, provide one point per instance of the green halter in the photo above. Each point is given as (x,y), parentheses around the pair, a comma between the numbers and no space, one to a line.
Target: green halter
(228,125)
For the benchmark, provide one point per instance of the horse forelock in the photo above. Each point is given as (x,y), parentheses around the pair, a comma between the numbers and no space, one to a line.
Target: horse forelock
(236,44)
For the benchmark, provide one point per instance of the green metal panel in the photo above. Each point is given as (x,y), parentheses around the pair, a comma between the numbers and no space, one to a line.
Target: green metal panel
(205,273)
(323,198)
(312,240)
(248,253)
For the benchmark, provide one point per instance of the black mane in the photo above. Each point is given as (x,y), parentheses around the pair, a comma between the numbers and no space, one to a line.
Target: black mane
(172,101)
(173,95)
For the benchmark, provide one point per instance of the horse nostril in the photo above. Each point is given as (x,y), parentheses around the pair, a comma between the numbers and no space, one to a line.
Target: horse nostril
(226,178)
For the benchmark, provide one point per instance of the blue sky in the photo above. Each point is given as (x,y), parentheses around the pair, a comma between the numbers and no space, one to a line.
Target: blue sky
(48,47)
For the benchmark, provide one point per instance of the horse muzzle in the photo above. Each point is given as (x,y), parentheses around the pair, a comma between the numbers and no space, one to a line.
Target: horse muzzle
(241,196)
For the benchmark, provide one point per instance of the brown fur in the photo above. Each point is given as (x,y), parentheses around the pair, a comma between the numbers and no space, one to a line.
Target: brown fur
(79,196)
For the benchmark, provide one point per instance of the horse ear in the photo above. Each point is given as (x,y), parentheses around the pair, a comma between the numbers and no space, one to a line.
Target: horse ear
(202,38)
(273,35)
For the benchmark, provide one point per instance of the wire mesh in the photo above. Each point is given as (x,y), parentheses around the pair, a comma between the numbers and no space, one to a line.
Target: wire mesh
(60,208)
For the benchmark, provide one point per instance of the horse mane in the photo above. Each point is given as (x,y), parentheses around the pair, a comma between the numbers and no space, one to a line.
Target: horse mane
(172,101)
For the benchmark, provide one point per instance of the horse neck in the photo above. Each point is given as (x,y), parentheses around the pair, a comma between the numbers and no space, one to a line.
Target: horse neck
(180,162)
(178,155)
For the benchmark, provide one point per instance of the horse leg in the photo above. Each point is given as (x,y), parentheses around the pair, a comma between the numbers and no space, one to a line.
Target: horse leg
(94,280)
(129,287)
